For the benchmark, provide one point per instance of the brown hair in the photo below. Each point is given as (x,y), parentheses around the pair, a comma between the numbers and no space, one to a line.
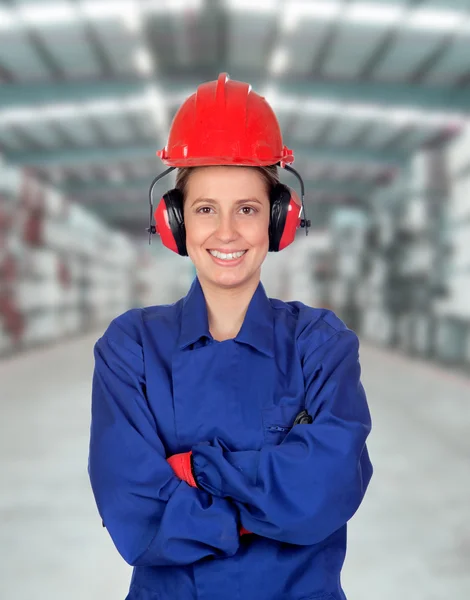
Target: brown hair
(270,175)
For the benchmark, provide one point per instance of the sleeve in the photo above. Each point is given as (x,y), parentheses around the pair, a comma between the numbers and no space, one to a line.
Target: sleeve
(304,489)
(152,516)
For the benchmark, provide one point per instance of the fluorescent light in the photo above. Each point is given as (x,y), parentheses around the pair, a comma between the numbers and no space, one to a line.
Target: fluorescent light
(322,107)
(133,103)
(261,6)
(270,93)
(292,13)
(416,116)
(132,20)
(17,115)
(374,14)
(366,112)
(155,102)
(438,119)
(173,6)
(434,19)
(279,61)
(374,112)
(101,107)
(289,22)
(317,9)
(154,98)
(280,102)
(106,106)
(404,116)
(285,104)
(101,9)
(125,10)
(297,10)
(97,10)
(53,13)
(58,111)
(7,19)
(143,61)
(130,11)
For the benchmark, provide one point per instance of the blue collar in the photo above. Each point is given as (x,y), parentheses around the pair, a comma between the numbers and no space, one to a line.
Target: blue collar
(256,331)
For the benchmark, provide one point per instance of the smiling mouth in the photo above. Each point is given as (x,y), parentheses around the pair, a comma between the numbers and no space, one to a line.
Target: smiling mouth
(227,256)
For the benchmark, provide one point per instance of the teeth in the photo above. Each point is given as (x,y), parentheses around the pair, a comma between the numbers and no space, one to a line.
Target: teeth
(231,256)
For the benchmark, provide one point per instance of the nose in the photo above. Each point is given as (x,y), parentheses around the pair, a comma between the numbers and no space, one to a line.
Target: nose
(226,228)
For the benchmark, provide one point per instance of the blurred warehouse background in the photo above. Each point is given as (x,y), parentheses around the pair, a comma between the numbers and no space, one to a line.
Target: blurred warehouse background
(374,98)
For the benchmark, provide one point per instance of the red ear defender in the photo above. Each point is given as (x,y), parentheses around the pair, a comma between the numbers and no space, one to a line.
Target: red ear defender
(293,221)
(163,228)
(169,222)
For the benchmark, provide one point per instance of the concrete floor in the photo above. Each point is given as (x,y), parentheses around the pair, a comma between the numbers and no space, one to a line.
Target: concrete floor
(410,539)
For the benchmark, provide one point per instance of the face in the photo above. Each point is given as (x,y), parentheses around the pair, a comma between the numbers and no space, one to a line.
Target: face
(226,212)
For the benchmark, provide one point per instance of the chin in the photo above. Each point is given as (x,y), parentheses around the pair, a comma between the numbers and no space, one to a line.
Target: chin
(234,280)
(228,280)
(225,280)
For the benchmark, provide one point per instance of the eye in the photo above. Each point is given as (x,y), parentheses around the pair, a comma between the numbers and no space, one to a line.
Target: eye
(205,210)
(245,208)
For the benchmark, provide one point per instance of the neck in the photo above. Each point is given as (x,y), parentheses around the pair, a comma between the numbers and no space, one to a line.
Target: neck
(226,307)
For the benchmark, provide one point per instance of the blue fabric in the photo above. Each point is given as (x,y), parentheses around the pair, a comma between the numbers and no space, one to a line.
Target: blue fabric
(162,385)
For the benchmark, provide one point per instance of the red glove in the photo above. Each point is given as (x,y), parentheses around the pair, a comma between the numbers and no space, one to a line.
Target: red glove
(181,465)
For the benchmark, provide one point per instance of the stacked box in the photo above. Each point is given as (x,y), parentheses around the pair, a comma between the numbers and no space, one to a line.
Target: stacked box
(162,277)
(62,270)
(406,255)
(455,310)
(458,156)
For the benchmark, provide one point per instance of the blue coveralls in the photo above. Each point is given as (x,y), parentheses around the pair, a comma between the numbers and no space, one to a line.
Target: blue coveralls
(162,385)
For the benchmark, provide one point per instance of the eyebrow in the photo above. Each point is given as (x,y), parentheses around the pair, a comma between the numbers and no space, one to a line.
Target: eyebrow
(213,201)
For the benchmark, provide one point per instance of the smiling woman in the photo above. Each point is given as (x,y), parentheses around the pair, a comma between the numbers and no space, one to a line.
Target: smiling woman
(228,429)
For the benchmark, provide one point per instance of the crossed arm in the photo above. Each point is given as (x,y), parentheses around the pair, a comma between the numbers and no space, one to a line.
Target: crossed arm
(300,491)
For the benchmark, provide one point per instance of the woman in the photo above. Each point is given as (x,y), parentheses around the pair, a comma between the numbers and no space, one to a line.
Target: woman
(228,438)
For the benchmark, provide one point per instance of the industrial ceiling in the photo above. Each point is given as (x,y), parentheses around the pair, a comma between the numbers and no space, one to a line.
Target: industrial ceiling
(88,88)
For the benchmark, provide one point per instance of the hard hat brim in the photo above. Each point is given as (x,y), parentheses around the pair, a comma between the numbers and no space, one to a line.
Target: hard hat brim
(214,161)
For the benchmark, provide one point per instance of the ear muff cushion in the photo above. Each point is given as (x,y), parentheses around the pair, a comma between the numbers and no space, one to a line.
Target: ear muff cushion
(279,200)
(171,229)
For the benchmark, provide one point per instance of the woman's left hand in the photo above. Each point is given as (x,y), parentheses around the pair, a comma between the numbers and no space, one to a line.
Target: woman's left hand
(181,465)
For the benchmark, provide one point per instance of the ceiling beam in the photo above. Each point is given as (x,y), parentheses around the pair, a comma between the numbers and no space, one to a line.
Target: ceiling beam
(426,97)
(106,155)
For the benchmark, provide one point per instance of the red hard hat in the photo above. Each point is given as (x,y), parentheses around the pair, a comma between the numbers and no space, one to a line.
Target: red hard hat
(225,123)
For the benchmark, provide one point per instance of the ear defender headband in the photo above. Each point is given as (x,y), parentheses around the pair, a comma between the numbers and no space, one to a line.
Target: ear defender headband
(285,217)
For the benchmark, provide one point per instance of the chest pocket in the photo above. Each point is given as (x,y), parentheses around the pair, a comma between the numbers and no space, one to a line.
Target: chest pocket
(278,421)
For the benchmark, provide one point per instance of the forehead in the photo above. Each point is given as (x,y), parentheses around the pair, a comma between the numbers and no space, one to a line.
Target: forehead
(226,182)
